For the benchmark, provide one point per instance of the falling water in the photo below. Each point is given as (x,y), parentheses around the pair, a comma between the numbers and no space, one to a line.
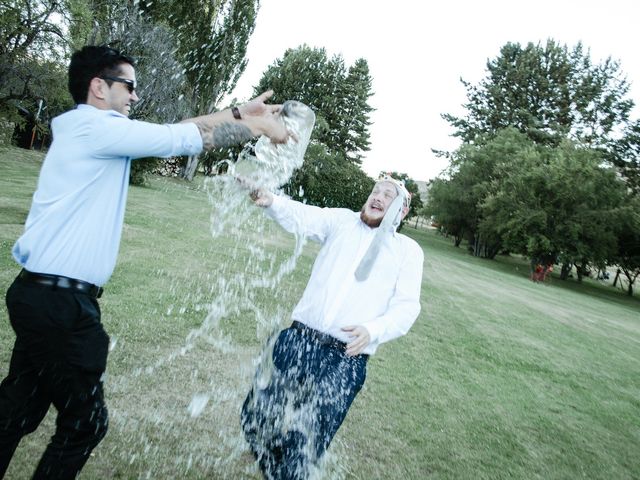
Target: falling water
(213,368)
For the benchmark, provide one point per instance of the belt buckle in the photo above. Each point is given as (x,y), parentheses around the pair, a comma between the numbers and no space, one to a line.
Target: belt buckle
(63,282)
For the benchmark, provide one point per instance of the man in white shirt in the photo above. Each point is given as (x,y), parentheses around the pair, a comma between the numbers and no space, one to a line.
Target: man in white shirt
(69,247)
(364,290)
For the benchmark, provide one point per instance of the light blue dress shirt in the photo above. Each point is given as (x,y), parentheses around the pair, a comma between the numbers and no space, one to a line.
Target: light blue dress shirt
(76,217)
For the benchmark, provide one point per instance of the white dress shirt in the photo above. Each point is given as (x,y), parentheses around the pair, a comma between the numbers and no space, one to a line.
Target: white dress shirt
(387,303)
(76,217)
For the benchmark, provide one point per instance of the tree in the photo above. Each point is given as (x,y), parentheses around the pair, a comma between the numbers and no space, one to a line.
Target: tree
(330,175)
(339,99)
(32,49)
(327,180)
(624,153)
(456,202)
(189,53)
(548,92)
(555,205)
(28,28)
(449,205)
(354,132)
(212,39)
(627,255)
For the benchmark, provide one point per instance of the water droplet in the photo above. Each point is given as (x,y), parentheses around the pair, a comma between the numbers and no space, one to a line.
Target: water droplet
(198,402)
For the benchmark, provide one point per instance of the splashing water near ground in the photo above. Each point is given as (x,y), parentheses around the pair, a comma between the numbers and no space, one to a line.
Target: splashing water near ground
(208,427)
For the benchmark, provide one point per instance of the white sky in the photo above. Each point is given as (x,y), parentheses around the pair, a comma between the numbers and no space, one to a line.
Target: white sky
(418,50)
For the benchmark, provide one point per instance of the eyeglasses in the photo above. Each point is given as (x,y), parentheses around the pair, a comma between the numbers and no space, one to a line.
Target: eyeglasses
(131,85)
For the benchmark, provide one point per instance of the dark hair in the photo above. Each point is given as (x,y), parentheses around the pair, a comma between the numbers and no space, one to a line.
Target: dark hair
(90,62)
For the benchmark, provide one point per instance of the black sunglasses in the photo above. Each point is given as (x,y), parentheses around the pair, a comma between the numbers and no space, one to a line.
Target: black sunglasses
(131,85)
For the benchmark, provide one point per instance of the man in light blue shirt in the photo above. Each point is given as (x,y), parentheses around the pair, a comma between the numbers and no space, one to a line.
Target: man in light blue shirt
(69,248)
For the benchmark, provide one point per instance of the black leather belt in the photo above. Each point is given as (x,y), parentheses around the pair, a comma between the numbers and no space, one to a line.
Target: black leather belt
(323,338)
(65,283)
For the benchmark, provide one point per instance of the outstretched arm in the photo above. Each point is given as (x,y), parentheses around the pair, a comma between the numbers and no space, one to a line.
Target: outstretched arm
(260,196)
(222,129)
(295,217)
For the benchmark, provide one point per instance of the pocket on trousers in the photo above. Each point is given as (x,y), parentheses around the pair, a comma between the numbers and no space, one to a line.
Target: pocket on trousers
(287,350)
(88,342)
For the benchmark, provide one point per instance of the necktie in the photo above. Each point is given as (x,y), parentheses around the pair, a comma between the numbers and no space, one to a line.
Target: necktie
(389,224)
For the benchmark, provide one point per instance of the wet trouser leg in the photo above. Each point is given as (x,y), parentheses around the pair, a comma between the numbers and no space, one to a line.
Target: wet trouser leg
(290,423)
(58,358)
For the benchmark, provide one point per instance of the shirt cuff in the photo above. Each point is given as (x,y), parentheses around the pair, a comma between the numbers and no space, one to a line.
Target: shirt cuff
(186,139)
(277,202)
(375,328)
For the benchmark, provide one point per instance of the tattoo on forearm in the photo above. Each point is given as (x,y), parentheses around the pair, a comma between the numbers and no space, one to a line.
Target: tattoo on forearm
(229,134)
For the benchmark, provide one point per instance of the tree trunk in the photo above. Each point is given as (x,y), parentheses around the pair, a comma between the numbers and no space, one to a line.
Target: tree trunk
(615,280)
(582,271)
(492,251)
(564,272)
(631,280)
(485,250)
(579,272)
(189,170)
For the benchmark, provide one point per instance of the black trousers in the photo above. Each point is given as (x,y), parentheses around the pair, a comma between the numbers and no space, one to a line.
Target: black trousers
(290,422)
(59,357)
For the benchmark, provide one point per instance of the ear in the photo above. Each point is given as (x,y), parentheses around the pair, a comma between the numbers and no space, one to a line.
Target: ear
(405,210)
(97,89)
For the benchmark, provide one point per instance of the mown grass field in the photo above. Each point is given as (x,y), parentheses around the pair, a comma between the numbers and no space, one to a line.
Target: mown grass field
(499,377)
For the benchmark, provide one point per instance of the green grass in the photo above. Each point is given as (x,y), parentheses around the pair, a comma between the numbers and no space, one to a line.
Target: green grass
(499,377)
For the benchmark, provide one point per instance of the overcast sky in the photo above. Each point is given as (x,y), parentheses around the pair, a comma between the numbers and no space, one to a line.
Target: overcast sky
(417,51)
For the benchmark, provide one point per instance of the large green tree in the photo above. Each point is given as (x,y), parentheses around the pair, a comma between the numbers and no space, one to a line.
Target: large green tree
(551,204)
(211,42)
(555,205)
(624,153)
(339,97)
(327,180)
(190,53)
(549,92)
(530,174)
(449,203)
(32,51)
(456,201)
(627,255)
(212,39)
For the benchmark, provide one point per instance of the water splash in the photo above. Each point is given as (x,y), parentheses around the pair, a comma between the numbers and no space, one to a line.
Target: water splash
(214,385)
(271,165)
(197,405)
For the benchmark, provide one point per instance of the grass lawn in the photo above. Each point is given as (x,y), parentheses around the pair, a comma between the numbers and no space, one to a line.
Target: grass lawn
(499,377)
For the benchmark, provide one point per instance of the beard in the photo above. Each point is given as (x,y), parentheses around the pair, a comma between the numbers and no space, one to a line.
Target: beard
(369,221)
